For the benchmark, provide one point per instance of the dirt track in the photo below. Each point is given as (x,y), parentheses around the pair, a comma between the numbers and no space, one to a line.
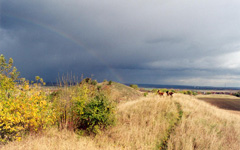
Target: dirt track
(224,103)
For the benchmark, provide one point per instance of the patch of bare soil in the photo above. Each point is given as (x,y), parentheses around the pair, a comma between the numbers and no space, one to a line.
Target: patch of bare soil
(224,103)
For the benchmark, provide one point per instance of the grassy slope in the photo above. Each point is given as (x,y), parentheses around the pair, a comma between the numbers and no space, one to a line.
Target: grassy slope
(119,92)
(205,127)
(143,123)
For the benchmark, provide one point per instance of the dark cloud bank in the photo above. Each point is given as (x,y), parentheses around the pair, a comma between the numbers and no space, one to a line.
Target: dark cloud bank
(158,42)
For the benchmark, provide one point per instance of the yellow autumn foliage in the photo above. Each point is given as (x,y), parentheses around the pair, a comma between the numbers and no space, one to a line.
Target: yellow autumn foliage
(23,108)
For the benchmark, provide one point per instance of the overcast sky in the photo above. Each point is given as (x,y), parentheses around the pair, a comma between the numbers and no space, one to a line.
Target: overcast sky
(130,41)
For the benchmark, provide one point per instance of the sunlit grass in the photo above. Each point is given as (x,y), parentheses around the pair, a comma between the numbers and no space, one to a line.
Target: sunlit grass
(205,127)
(143,122)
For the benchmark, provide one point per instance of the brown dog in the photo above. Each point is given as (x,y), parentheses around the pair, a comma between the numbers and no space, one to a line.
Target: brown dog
(160,93)
(169,93)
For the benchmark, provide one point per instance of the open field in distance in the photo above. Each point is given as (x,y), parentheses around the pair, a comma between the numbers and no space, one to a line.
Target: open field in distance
(227,102)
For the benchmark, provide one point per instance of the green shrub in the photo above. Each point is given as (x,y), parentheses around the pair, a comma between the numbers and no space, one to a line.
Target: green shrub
(154,90)
(84,107)
(94,82)
(164,90)
(237,94)
(110,82)
(188,92)
(71,101)
(194,93)
(97,114)
(145,94)
(99,87)
(134,86)
(88,81)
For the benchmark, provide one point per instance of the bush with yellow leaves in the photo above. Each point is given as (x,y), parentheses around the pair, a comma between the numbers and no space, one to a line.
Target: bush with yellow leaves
(23,107)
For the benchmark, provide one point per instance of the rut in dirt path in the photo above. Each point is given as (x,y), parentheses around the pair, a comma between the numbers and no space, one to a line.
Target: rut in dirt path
(164,142)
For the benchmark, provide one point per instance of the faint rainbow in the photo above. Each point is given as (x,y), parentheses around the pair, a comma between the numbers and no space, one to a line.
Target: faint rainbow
(67,36)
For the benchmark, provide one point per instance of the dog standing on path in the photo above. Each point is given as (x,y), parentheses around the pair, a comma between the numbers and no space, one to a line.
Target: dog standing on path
(169,93)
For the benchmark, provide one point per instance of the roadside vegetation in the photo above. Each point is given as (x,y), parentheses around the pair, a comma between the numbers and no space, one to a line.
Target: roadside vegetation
(107,115)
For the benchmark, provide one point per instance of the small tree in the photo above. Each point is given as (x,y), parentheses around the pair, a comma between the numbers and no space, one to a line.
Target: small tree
(8,76)
(7,69)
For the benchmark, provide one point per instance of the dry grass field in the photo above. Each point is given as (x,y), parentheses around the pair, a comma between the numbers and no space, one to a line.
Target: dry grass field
(145,123)
(204,126)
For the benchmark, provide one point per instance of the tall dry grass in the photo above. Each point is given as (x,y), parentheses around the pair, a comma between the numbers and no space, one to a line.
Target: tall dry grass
(141,125)
(143,122)
(52,139)
(205,127)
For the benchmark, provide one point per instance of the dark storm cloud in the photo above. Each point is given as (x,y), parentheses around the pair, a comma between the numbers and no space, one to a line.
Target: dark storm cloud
(165,40)
(162,42)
